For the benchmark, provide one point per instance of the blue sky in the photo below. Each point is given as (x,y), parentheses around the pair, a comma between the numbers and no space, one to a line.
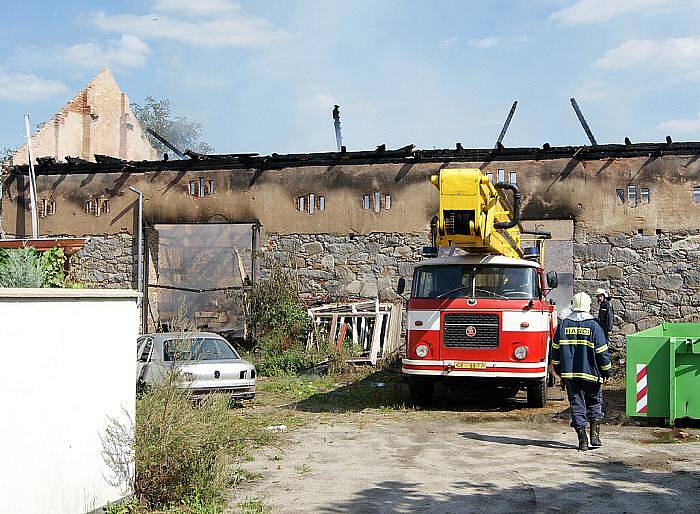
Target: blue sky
(263,76)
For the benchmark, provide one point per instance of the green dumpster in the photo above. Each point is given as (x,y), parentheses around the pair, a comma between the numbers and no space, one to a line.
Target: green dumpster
(663,372)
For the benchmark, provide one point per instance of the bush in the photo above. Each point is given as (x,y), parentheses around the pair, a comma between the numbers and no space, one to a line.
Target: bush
(25,267)
(275,311)
(21,268)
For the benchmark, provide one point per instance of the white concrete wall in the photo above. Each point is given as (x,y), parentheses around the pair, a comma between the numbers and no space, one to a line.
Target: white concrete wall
(68,365)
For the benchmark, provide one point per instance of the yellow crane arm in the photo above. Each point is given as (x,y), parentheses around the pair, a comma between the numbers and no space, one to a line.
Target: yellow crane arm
(474,215)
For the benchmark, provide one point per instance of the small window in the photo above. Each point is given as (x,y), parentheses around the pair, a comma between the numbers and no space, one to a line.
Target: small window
(644,194)
(201,191)
(193,188)
(377,201)
(490,177)
(51,208)
(365,202)
(211,187)
(387,201)
(501,175)
(105,205)
(513,177)
(620,194)
(321,203)
(301,203)
(632,195)
(312,203)
(696,194)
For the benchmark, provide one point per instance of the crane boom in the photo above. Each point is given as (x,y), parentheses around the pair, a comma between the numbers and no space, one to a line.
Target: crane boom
(474,214)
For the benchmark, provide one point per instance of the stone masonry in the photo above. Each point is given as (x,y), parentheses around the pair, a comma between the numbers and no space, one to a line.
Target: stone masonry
(652,278)
(333,267)
(105,262)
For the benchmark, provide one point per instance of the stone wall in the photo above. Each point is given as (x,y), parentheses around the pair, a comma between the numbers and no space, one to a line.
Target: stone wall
(333,267)
(106,262)
(652,278)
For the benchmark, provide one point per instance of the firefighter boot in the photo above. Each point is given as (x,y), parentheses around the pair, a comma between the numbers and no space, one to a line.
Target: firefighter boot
(582,439)
(595,434)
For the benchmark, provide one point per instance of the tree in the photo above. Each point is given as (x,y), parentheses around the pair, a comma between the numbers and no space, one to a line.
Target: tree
(179,131)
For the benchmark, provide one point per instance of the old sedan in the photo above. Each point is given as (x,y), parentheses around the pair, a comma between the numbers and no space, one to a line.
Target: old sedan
(206,362)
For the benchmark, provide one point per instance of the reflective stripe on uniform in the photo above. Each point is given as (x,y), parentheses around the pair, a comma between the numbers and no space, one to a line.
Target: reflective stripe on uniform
(556,363)
(601,349)
(584,376)
(576,341)
(606,367)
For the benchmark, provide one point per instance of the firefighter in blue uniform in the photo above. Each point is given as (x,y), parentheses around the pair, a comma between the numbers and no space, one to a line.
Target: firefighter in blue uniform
(580,357)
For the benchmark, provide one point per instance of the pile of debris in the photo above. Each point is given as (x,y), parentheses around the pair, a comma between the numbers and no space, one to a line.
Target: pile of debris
(370,330)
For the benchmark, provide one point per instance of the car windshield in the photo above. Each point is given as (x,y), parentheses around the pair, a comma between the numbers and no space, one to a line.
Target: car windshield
(199,349)
(457,281)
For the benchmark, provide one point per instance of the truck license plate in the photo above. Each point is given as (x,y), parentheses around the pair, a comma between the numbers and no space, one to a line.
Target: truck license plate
(470,365)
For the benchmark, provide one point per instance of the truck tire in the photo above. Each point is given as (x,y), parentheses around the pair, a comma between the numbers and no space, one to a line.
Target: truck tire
(537,394)
(421,390)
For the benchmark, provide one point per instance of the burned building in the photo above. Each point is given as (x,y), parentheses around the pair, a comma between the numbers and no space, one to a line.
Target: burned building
(623,217)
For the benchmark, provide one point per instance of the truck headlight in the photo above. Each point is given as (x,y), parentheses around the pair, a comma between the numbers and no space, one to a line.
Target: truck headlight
(421,350)
(520,352)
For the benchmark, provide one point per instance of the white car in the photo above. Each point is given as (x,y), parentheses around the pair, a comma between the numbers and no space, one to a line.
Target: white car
(207,362)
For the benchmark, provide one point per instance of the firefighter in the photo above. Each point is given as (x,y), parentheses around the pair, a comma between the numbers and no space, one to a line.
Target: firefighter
(581,359)
(605,312)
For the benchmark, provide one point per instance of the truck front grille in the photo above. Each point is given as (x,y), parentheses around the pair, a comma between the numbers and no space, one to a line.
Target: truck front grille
(470,330)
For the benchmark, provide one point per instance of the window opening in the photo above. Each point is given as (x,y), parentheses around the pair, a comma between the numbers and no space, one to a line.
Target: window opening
(211,187)
(513,177)
(387,201)
(193,188)
(301,202)
(377,201)
(312,203)
(620,194)
(501,175)
(644,194)
(632,195)
(365,202)
(490,177)
(321,203)
(201,187)
(696,194)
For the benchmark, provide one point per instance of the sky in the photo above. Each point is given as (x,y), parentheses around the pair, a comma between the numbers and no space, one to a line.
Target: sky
(263,76)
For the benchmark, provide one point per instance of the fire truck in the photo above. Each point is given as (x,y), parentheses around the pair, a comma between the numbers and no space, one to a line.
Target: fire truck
(479,311)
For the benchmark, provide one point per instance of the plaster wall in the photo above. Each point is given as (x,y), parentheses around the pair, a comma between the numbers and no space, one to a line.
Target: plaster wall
(72,369)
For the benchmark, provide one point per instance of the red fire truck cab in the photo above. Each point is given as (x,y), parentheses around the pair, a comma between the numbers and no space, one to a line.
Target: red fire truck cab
(479,318)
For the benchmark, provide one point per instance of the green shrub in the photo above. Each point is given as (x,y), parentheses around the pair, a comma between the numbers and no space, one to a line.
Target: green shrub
(53,265)
(21,268)
(276,314)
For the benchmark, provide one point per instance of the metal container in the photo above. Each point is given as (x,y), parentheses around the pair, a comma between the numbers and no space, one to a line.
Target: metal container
(663,372)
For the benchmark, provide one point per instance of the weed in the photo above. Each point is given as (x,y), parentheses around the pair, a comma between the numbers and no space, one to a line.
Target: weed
(254,506)
(303,469)
(241,475)
(275,458)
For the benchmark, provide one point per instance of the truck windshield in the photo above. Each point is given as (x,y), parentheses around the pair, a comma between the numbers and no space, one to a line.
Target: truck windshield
(456,281)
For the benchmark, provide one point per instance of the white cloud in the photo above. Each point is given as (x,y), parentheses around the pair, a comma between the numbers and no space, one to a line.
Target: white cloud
(318,101)
(197,7)
(447,42)
(591,90)
(584,12)
(487,42)
(26,87)
(127,52)
(673,54)
(681,125)
(235,29)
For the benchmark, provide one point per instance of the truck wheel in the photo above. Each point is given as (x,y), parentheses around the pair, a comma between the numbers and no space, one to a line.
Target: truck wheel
(421,390)
(537,394)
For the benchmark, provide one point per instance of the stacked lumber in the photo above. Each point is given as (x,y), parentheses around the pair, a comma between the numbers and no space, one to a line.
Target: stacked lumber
(370,330)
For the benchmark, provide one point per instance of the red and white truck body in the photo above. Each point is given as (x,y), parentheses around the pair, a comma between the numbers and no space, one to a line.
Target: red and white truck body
(480,317)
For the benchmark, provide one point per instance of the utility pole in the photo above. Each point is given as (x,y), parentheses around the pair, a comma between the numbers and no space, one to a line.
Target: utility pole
(32,180)
(583,122)
(336,124)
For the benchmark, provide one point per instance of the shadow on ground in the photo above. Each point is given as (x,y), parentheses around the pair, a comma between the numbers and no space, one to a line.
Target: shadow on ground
(388,390)
(610,487)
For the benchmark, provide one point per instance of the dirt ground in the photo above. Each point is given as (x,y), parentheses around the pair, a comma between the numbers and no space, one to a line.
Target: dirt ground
(466,455)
